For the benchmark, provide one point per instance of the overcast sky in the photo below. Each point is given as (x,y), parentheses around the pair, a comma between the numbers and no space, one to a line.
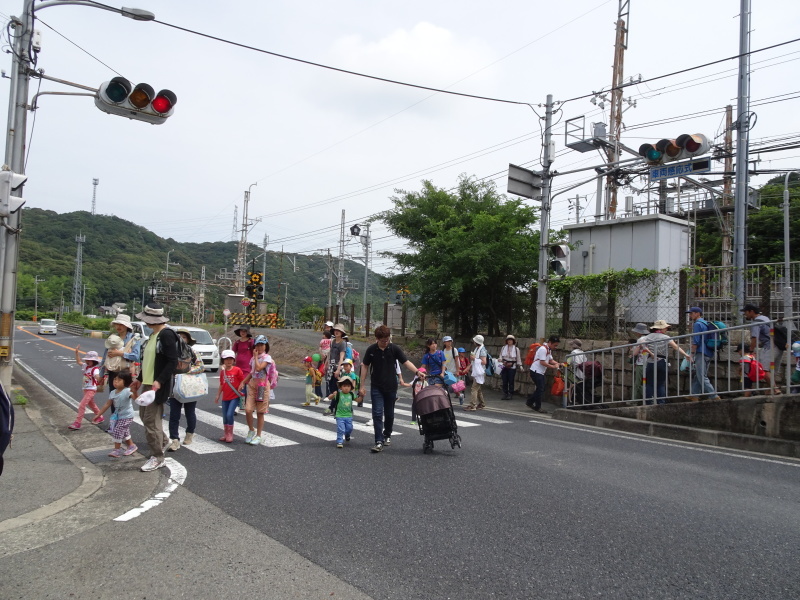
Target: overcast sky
(317,142)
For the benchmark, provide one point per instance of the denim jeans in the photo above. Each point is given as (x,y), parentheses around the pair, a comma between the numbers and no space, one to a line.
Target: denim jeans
(228,408)
(344,427)
(656,374)
(175,417)
(508,375)
(700,382)
(382,409)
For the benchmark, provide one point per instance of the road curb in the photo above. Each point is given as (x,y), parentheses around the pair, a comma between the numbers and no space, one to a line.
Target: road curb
(682,433)
(93,478)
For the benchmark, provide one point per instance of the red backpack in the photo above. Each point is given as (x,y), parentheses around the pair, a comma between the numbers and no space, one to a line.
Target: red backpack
(757,372)
(531,353)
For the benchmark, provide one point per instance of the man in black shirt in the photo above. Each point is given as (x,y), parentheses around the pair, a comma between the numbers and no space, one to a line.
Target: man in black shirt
(380,361)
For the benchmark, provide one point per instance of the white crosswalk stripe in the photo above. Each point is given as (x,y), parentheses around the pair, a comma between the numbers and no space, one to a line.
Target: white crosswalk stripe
(320,417)
(199,445)
(268,439)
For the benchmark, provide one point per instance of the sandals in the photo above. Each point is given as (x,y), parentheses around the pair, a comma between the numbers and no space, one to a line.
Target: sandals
(470,408)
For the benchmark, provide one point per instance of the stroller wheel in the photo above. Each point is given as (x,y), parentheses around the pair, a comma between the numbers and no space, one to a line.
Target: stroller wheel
(427,447)
(458,440)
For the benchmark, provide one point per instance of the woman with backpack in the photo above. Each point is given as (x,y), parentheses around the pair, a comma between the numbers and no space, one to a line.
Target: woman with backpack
(510,359)
(433,360)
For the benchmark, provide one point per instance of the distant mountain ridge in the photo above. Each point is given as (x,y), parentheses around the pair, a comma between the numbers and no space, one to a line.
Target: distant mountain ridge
(121,257)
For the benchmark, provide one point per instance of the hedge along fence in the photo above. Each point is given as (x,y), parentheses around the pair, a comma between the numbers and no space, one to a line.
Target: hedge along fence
(606,305)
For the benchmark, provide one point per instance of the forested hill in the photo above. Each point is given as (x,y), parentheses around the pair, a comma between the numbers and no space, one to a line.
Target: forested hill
(120,257)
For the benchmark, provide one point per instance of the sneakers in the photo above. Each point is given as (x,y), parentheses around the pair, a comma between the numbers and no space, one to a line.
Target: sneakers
(250,435)
(174,445)
(130,450)
(414,423)
(368,423)
(387,441)
(360,405)
(188,439)
(377,447)
(306,403)
(340,445)
(153,463)
(316,402)
(256,441)
(115,453)
(75,425)
(327,412)
(98,420)
(347,438)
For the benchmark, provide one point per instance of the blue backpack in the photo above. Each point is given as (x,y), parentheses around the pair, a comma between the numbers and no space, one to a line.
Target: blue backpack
(716,341)
(489,369)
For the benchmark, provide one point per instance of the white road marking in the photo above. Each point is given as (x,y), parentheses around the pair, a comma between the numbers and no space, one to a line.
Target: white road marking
(199,445)
(240,429)
(177,477)
(320,417)
(684,446)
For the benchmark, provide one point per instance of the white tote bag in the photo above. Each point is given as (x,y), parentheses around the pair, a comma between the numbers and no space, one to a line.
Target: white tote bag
(189,387)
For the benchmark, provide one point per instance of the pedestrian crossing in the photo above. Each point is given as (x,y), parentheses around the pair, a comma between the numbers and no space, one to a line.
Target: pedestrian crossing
(287,420)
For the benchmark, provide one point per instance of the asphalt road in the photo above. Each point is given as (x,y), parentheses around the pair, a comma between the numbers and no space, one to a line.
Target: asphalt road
(528,508)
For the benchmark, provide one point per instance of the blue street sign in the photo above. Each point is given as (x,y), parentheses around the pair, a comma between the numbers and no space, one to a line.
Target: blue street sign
(681,169)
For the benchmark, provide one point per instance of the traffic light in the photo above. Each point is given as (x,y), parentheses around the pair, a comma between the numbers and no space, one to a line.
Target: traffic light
(255,288)
(666,150)
(141,103)
(10,182)
(559,263)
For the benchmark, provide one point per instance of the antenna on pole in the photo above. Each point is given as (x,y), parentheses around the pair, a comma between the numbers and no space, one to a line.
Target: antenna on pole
(77,283)
(235,221)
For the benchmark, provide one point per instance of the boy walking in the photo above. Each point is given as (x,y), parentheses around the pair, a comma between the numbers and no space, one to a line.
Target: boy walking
(342,409)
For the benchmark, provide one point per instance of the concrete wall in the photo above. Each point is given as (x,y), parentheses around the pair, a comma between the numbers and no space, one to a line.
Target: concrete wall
(766,416)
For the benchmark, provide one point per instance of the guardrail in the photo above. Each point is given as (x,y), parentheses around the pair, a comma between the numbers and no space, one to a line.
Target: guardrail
(71,328)
(644,373)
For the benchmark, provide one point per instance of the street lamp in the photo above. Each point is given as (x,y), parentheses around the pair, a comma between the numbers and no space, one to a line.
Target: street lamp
(16,137)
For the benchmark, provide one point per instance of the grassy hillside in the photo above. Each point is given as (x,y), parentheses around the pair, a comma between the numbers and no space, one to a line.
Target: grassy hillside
(121,258)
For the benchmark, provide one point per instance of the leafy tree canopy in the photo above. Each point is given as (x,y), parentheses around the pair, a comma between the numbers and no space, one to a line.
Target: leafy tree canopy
(474,252)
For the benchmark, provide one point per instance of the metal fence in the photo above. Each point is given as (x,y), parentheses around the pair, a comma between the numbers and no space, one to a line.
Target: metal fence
(613,375)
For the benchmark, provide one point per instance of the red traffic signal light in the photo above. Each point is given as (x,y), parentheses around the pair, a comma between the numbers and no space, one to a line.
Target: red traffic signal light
(666,150)
(141,103)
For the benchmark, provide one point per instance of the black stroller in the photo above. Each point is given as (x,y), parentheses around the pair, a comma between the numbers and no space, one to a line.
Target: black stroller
(435,416)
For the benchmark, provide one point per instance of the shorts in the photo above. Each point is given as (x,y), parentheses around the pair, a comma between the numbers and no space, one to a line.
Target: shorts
(120,431)
(254,392)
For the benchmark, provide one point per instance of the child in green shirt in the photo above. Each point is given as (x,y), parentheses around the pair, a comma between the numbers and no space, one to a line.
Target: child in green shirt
(342,408)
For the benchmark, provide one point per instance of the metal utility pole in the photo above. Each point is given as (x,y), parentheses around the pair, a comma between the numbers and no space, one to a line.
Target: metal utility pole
(788,309)
(366,240)
(241,261)
(544,236)
(95,182)
(200,310)
(235,221)
(340,291)
(36,282)
(742,150)
(330,279)
(615,125)
(77,281)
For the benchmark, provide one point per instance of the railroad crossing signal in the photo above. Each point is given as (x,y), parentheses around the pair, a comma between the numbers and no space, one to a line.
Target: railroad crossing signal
(140,103)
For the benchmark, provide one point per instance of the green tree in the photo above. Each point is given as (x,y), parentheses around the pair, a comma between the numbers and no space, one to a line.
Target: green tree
(473,252)
(764,227)
(310,313)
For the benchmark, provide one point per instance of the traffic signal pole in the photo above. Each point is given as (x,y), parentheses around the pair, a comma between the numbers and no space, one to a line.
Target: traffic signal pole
(16,134)
(544,236)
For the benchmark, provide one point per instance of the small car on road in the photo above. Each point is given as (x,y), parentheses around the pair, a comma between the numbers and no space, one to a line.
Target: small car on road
(48,326)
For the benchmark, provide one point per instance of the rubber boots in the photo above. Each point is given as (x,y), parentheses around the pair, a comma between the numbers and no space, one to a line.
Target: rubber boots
(229,433)
(224,437)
